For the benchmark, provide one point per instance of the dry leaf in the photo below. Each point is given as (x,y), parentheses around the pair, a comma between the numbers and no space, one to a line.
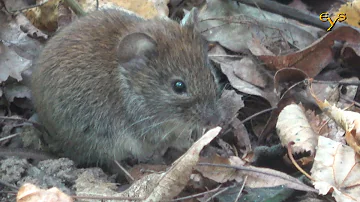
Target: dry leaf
(351,9)
(16,90)
(256,177)
(336,167)
(348,120)
(288,76)
(317,123)
(11,64)
(314,58)
(293,126)
(30,193)
(140,170)
(144,8)
(221,174)
(243,68)
(176,178)
(257,48)
(265,177)
(93,182)
(232,24)
(44,17)
(231,69)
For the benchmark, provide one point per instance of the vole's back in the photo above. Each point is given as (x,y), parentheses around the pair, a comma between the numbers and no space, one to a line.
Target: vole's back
(90,107)
(73,74)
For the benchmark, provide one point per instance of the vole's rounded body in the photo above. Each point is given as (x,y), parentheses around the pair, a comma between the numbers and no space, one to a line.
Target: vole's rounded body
(112,85)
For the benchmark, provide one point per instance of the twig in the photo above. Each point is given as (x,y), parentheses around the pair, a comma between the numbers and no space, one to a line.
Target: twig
(352,83)
(350,100)
(9,137)
(196,195)
(257,114)
(294,162)
(218,193)
(228,56)
(108,198)
(25,153)
(75,6)
(124,170)
(38,126)
(241,189)
(291,13)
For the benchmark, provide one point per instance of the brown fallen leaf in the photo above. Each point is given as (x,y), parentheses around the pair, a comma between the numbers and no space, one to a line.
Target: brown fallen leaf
(221,174)
(315,57)
(336,169)
(256,177)
(350,54)
(31,193)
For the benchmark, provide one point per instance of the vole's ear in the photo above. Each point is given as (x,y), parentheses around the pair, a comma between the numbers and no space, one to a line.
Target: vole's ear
(190,19)
(136,46)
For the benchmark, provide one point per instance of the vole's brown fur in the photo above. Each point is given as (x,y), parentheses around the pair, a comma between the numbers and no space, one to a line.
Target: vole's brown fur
(103,96)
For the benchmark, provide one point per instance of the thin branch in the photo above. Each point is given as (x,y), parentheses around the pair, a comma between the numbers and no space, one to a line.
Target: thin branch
(257,114)
(241,189)
(124,170)
(294,162)
(197,195)
(291,13)
(9,137)
(75,6)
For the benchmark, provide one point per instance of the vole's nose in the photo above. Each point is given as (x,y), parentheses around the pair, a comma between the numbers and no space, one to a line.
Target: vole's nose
(212,118)
(212,121)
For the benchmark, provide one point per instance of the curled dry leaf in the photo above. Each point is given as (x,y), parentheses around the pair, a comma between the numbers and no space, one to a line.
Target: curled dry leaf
(293,126)
(314,58)
(348,120)
(31,193)
(336,167)
(176,178)
(288,76)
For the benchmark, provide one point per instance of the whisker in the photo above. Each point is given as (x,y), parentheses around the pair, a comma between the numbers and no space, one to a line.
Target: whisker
(173,129)
(143,134)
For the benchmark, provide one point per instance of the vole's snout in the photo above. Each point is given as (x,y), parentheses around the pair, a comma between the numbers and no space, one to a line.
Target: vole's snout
(212,117)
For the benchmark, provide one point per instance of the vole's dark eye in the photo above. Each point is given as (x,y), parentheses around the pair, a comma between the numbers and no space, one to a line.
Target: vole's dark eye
(179,86)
